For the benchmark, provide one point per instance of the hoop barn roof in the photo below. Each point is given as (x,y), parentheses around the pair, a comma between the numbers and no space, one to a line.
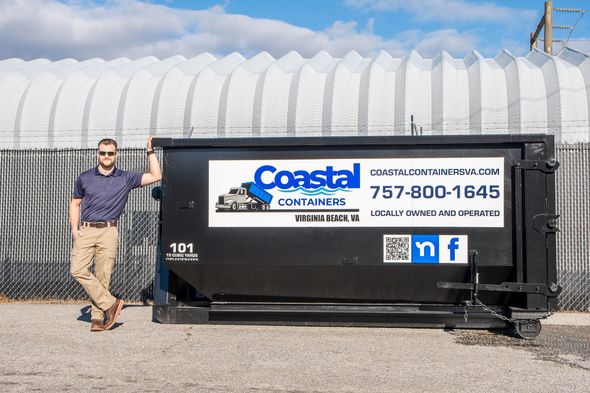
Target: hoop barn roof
(70,103)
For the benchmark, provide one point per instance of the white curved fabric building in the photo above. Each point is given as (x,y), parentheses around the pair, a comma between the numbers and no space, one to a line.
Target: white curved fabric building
(73,104)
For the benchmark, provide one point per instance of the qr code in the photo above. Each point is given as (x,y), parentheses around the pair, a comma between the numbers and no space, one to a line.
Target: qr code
(396,248)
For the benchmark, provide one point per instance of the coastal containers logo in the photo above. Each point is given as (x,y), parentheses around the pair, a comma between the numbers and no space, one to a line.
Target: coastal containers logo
(325,180)
(295,189)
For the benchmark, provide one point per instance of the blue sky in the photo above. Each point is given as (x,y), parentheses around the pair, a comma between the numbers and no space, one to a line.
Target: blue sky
(111,28)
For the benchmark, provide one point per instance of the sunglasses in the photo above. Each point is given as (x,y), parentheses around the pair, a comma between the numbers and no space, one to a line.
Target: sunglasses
(107,153)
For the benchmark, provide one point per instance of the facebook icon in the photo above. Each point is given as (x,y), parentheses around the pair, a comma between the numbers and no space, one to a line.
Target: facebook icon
(453,249)
(453,246)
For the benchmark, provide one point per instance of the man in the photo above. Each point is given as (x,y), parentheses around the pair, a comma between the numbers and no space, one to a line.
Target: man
(101,193)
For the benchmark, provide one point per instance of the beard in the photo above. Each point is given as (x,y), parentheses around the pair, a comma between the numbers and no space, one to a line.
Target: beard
(107,166)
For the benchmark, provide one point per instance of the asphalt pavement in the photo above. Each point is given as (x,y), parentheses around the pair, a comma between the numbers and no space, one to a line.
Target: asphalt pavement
(49,347)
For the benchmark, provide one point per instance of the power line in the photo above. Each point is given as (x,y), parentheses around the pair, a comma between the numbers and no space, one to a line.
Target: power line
(572,30)
(546,24)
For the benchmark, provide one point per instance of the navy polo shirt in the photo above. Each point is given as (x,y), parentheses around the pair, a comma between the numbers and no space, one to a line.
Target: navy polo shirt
(104,197)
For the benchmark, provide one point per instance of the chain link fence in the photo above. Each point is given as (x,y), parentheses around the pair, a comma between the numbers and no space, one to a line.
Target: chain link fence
(573,240)
(35,240)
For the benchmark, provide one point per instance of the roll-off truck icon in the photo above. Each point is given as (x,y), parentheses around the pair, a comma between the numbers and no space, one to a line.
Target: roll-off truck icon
(247,197)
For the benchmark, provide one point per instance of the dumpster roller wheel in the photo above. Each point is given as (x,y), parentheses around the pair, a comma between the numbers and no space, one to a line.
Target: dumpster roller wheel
(527,329)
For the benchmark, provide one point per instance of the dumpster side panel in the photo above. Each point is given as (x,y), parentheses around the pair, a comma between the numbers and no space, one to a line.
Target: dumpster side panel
(271,256)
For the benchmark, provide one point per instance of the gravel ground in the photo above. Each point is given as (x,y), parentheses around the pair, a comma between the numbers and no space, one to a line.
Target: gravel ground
(563,344)
(49,347)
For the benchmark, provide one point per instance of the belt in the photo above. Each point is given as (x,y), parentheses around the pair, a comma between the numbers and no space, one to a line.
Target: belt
(101,224)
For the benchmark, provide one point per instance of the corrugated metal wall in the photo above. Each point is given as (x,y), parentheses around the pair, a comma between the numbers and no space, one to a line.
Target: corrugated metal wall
(35,240)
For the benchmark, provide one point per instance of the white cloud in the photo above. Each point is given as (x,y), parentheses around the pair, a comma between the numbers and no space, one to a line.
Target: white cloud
(53,29)
(449,39)
(455,11)
(131,28)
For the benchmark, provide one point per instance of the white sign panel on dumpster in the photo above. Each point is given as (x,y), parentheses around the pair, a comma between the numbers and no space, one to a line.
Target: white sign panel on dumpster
(376,192)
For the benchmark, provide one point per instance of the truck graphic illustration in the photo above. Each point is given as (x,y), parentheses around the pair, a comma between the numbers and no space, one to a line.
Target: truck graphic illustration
(247,197)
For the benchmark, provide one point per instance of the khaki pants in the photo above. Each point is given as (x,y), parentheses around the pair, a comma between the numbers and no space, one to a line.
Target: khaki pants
(99,244)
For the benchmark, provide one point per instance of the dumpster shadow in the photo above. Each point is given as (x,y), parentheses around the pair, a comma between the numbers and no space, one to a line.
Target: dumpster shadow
(501,332)
(567,345)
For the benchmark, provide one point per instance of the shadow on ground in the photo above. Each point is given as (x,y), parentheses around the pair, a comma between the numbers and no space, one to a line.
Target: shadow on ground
(568,345)
(85,314)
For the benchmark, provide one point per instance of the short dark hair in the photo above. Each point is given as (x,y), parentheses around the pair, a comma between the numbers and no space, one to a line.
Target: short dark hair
(108,141)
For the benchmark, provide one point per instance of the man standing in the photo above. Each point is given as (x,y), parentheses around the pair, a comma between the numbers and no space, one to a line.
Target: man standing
(101,193)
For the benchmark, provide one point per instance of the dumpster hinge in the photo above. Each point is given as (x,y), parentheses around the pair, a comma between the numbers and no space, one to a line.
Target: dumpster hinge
(546,223)
(546,166)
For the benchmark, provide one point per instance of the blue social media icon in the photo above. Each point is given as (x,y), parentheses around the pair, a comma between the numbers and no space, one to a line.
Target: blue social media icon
(425,249)
(453,246)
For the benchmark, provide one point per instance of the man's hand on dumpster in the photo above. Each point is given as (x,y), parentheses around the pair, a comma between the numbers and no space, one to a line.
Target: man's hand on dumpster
(149,143)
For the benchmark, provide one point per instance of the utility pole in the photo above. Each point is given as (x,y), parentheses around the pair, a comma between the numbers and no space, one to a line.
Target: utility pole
(548,43)
(547,23)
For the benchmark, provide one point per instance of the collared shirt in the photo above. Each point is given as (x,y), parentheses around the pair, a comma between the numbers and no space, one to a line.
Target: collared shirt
(104,197)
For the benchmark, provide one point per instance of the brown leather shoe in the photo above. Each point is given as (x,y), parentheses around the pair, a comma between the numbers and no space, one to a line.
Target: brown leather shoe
(96,325)
(113,313)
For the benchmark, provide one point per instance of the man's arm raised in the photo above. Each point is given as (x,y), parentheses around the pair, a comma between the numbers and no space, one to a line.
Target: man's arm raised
(155,173)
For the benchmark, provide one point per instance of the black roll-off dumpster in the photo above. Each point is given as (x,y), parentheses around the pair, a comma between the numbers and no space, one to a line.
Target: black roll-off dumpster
(441,231)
